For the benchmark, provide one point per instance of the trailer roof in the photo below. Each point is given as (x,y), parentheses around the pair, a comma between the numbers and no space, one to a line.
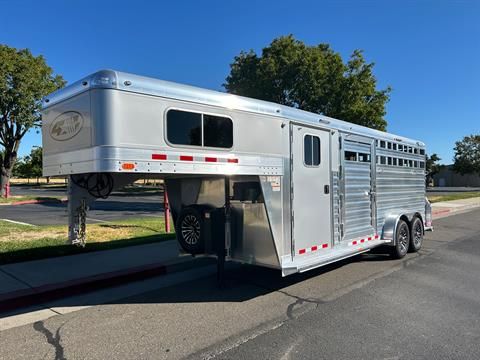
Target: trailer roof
(112,79)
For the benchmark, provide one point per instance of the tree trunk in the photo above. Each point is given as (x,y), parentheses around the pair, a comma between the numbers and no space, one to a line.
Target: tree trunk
(6,171)
(4,180)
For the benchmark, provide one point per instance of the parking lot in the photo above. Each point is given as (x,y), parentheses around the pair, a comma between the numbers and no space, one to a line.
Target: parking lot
(118,206)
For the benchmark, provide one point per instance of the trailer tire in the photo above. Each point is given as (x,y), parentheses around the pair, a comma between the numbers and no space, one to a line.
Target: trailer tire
(402,240)
(190,230)
(416,235)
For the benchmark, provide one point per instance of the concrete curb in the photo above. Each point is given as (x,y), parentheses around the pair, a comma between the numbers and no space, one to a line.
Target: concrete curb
(50,292)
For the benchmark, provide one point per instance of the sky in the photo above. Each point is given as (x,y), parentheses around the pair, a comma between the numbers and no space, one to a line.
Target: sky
(427,51)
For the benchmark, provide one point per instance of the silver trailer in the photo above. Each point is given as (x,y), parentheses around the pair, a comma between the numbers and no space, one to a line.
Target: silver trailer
(248,180)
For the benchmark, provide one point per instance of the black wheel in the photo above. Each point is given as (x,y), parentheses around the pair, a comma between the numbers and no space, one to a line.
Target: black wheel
(402,240)
(416,235)
(190,230)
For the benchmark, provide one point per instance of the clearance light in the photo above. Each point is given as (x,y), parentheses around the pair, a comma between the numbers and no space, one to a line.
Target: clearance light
(128,166)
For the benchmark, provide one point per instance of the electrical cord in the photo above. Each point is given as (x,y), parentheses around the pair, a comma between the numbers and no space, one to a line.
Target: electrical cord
(98,185)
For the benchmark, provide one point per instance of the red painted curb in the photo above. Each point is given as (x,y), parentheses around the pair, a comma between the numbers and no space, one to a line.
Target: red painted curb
(438,212)
(50,292)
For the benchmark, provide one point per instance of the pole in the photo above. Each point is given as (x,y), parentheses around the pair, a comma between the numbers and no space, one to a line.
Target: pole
(166,208)
(224,241)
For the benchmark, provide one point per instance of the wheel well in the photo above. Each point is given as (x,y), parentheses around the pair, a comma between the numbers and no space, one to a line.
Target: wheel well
(405,218)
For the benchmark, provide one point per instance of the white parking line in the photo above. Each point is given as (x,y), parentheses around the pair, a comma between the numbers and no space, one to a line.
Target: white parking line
(92,219)
(17,222)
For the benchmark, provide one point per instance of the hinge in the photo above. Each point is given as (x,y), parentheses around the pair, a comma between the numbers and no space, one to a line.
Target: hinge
(341,231)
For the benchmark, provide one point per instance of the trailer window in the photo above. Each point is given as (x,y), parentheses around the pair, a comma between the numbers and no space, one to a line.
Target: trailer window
(350,156)
(184,128)
(311,150)
(217,131)
(195,129)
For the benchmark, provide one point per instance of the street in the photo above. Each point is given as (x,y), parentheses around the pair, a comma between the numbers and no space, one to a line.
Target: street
(426,305)
(119,205)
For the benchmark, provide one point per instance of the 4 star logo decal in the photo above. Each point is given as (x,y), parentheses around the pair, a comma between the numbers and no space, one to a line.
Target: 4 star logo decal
(66,126)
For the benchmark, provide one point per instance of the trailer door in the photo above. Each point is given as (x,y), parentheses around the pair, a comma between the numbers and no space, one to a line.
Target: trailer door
(358,187)
(311,205)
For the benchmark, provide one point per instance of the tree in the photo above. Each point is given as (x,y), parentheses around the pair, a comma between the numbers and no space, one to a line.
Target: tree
(34,160)
(467,155)
(432,166)
(312,78)
(21,169)
(24,80)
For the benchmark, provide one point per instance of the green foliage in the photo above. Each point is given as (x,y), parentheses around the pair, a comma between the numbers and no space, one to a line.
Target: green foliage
(467,155)
(432,166)
(30,166)
(312,78)
(24,80)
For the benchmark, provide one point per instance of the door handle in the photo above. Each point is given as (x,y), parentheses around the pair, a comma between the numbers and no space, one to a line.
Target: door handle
(326,189)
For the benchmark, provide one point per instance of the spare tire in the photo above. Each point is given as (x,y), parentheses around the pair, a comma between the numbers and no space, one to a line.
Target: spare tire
(190,230)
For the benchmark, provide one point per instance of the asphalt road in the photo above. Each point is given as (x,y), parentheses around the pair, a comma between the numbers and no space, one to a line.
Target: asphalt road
(116,207)
(426,305)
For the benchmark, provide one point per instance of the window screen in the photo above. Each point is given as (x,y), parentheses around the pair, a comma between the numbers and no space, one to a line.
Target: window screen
(311,146)
(184,128)
(363,157)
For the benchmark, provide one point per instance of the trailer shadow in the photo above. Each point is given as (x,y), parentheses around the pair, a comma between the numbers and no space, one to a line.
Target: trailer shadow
(242,283)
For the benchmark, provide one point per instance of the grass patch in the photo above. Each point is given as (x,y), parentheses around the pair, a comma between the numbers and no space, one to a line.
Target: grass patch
(455,196)
(23,242)
(14,199)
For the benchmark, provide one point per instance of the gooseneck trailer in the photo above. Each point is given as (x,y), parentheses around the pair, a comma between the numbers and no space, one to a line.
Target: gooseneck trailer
(247,180)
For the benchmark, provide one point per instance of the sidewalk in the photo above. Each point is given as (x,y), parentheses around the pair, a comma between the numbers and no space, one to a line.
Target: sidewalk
(39,281)
(446,208)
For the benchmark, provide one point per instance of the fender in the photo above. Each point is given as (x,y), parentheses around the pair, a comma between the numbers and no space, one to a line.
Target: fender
(390,226)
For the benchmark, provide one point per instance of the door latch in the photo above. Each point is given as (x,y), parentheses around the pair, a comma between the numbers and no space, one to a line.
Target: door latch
(326,189)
